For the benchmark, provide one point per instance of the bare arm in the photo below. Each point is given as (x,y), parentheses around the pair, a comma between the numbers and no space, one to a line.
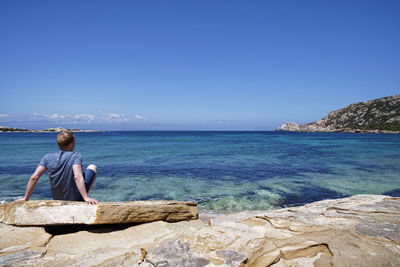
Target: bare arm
(80,184)
(32,183)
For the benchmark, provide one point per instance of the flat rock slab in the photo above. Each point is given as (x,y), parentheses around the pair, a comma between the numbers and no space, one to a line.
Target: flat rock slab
(55,212)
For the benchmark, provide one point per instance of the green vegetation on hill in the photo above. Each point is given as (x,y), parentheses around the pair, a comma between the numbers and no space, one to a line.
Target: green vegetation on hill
(378,114)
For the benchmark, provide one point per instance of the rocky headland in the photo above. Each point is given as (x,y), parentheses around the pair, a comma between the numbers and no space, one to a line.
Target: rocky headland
(362,230)
(49,130)
(375,116)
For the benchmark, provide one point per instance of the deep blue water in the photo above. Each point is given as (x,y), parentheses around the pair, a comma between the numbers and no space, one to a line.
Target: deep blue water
(222,171)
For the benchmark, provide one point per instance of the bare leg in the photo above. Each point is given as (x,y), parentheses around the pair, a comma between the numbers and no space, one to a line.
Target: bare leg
(93,168)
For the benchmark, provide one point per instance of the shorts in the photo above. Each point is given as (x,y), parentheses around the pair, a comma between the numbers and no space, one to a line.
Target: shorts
(88,175)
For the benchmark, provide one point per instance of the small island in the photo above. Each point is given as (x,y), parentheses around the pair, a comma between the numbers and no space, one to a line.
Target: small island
(49,130)
(380,115)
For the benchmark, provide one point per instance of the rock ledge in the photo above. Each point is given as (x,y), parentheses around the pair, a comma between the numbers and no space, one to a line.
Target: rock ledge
(56,212)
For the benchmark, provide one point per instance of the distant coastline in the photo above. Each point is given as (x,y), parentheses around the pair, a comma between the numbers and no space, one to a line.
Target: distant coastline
(293,127)
(380,115)
(4,129)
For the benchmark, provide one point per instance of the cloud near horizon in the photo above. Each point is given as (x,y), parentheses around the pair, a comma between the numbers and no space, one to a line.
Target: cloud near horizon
(139,117)
(114,117)
(88,117)
(83,118)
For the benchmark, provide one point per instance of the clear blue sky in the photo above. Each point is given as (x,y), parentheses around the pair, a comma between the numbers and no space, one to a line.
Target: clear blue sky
(192,65)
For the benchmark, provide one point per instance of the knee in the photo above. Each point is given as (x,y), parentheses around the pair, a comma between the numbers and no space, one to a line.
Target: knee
(92,167)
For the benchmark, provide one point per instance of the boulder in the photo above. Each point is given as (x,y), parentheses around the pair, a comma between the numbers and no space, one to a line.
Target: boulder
(56,212)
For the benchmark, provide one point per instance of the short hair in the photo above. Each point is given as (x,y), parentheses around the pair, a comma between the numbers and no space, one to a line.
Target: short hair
(64,138)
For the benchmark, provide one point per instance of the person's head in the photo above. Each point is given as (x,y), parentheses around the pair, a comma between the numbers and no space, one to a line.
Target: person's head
(66,140)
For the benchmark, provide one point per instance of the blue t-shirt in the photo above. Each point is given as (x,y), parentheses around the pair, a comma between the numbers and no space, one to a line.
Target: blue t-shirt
(61,175)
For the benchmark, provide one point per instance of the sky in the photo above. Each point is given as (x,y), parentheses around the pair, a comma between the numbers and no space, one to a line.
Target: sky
(192,65)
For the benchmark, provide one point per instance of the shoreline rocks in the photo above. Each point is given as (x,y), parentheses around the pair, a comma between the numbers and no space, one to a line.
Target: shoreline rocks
(314,128)
(362,230)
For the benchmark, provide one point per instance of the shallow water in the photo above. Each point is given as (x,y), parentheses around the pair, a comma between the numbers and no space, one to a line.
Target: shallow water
(222,171)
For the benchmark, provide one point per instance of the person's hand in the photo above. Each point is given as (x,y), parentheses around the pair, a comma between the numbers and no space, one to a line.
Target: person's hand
(19,200)
(91,200)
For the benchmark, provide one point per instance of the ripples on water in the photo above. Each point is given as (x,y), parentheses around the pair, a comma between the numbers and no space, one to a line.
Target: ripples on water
(222,171)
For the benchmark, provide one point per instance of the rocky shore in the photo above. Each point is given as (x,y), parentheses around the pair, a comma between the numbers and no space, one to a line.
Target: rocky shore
(5,129)
(362,230)
(375,116)
(315,127)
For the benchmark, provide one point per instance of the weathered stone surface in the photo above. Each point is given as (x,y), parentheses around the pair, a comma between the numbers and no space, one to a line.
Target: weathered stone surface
(86,248)
(17,238)
(20,244)
(357,231)
(70,212)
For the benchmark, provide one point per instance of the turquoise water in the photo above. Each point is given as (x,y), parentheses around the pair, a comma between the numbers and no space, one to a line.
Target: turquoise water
(222,171)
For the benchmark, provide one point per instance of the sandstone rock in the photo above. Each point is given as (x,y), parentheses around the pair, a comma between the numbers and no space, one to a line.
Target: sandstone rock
(19,244)
(324,233)
(106,247)
(71,212)
(357,231)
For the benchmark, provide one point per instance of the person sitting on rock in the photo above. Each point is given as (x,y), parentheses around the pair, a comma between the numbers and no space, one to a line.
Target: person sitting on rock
(64,168)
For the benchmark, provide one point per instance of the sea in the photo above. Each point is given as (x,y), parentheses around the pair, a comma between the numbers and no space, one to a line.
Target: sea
(221,171)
